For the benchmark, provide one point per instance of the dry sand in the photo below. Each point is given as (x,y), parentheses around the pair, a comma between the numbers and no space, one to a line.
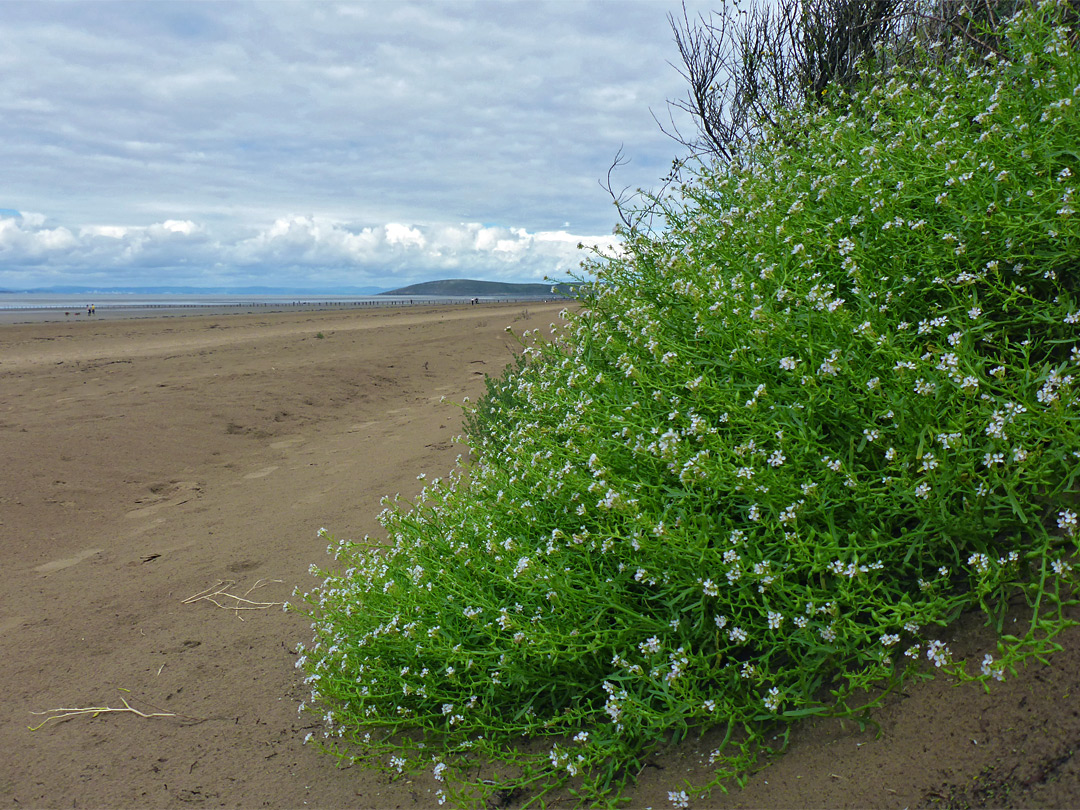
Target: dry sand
(145,461)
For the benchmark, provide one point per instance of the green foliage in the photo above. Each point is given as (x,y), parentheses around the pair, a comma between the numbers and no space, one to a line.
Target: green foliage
(795,431)
(492,414)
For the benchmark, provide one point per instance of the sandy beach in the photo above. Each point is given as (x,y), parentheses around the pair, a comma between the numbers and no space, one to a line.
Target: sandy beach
(151,463)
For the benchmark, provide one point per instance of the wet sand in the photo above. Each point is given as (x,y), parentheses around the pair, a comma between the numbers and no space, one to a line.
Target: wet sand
(115,311)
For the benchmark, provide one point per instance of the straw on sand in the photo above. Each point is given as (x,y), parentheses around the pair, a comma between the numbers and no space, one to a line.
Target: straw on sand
(65,713)
(220,591)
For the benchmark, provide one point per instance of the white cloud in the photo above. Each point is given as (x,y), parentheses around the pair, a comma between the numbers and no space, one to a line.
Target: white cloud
(185,227)
(110,231)
(403,235)
(316,250)
(21,244)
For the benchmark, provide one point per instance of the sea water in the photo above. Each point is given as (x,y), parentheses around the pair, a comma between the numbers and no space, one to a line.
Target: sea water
(78,301)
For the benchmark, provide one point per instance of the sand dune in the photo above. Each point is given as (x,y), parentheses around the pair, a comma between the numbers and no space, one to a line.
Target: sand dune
(154,467)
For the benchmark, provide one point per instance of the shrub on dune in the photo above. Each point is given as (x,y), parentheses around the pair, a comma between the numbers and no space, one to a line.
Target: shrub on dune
(825,405)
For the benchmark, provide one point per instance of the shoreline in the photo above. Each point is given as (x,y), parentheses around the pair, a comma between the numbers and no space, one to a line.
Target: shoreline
(66,314)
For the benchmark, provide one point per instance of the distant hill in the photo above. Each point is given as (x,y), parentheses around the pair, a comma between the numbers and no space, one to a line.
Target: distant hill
(484,289)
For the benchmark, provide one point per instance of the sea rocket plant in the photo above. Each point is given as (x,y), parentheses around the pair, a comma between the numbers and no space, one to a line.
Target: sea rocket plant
(829,402)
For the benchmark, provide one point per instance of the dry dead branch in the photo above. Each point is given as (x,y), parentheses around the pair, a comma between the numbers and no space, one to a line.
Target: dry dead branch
(94,711)
(237,603)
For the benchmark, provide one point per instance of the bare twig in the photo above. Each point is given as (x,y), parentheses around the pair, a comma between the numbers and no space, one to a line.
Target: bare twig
(749,61)
(238,603)
(620,198)
(94,711)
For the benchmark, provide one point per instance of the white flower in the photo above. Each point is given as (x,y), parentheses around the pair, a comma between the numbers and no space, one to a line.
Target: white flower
(650,645)
(924,387)
(988,668)
(1067,522)
(937,652)
(679,799)
(772,700)
(948,440)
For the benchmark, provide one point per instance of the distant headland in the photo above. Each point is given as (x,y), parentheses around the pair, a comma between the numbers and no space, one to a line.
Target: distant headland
(470,287)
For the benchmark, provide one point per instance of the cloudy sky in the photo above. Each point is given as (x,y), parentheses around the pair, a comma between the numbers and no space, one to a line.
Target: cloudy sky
(321,144)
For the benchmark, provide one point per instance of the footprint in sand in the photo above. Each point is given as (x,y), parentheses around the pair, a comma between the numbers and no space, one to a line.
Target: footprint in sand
(285,444)
(67,562)
(265,471)
(12,623)
(146,527)
(165,495)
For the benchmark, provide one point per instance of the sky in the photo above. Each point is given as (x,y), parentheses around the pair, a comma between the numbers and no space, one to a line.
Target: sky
(322,145)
